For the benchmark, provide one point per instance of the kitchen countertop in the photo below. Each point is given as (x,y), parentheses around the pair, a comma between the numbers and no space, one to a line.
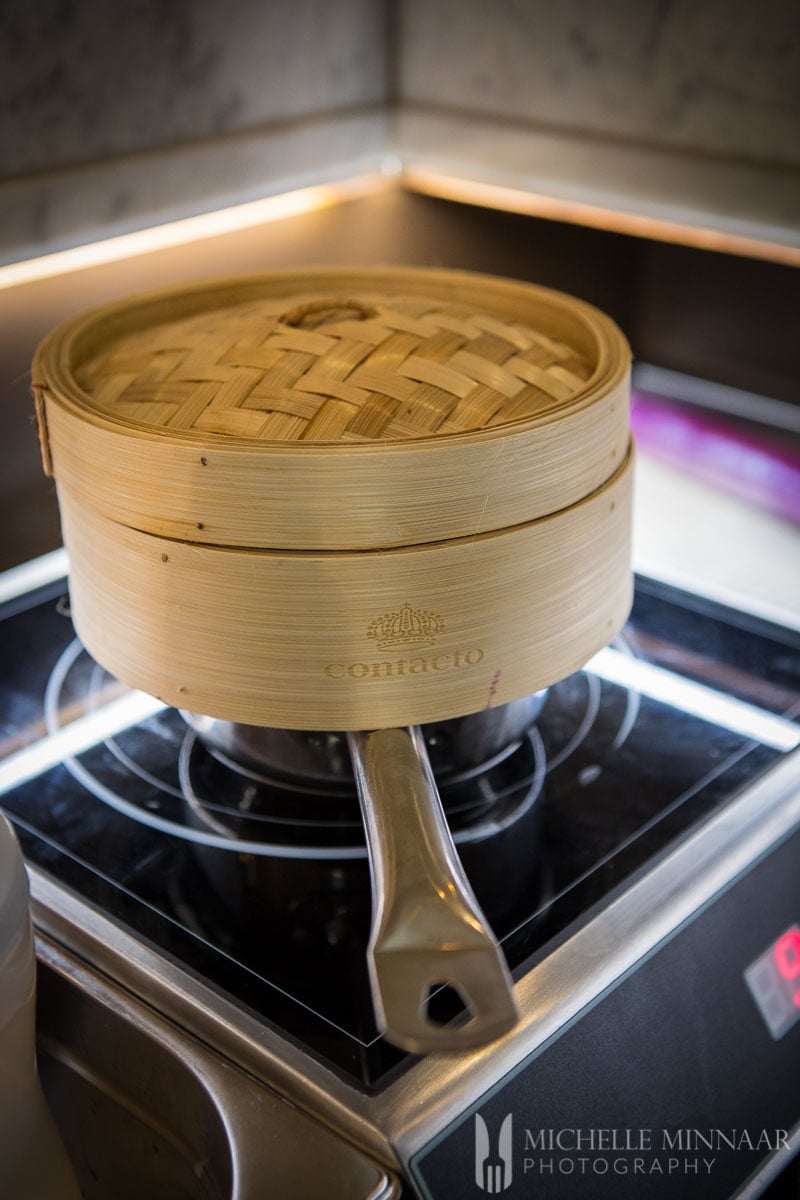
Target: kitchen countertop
(696,536)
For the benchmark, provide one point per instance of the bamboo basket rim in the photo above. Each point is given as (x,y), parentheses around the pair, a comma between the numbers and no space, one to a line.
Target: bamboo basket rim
(249,634)
(363,553)
(57,356)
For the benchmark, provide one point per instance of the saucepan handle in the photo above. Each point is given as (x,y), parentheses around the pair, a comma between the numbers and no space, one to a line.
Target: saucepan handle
(427,927)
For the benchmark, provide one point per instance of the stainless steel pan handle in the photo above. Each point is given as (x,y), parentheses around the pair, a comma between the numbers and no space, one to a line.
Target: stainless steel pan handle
(427,926)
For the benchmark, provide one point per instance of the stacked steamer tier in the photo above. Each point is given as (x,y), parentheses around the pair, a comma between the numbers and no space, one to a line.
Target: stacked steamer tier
(342,499)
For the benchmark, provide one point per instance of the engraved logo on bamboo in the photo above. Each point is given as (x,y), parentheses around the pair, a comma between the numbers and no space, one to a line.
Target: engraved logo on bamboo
(389,668)
(406,626)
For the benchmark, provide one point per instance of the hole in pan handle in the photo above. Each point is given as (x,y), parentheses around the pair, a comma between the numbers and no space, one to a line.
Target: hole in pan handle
(427,926)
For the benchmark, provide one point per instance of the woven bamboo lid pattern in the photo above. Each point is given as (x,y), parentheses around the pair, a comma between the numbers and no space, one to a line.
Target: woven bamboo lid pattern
(335,409)
(332,369)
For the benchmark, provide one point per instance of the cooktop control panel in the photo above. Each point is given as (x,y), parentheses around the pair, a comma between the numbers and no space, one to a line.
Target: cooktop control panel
(680,1081)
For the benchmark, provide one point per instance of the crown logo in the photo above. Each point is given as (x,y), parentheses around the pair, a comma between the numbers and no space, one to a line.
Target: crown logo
(406,626)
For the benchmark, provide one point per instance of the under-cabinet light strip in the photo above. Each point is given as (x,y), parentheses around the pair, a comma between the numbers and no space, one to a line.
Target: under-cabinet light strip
(191,229)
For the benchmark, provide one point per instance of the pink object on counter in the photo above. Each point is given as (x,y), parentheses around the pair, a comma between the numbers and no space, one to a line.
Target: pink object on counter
(755,467)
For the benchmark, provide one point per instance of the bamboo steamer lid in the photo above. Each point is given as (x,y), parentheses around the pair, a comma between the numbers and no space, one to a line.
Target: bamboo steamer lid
(342,499)
(336,409)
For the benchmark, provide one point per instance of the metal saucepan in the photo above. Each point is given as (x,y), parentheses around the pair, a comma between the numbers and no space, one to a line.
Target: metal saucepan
(427,927)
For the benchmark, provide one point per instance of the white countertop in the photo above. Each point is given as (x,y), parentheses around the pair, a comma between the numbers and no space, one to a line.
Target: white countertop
(699,537)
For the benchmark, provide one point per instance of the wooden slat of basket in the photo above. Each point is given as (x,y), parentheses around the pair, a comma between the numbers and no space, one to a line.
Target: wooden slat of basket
(370,332)
(544,380)
(160,413)
(200,399)
(235,422)
(112,387)
(478,408)
(325,385)
(336,366)
(567,373)
(244,355)
(530,403)
(430,409)
(283,400)
(278,426)
(515,334)
(380,378)
(494,376)
(421,327)
(330,421)
(371,420)
(236,388)
(285,373)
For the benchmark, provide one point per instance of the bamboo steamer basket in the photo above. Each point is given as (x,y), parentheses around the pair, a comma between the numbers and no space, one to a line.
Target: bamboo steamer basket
(351,500)
(342,499)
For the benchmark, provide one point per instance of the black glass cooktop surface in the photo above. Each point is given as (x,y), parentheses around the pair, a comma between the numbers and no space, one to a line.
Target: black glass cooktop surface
(262,888)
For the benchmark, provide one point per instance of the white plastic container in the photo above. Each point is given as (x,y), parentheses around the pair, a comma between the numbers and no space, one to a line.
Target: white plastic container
(33,1162)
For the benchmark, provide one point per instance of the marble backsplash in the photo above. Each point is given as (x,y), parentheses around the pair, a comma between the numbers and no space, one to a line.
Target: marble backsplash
(717,77)
(115,116)
(84,80)
(120,115)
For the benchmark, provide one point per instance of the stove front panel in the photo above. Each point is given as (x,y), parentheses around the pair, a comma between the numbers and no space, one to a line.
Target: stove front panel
(672,1084)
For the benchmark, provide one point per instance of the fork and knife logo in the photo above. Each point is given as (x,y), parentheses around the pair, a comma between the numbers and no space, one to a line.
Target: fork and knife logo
(493,1172)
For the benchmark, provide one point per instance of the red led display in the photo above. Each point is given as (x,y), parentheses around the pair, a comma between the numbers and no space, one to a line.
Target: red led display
(774,981)
(787,956)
